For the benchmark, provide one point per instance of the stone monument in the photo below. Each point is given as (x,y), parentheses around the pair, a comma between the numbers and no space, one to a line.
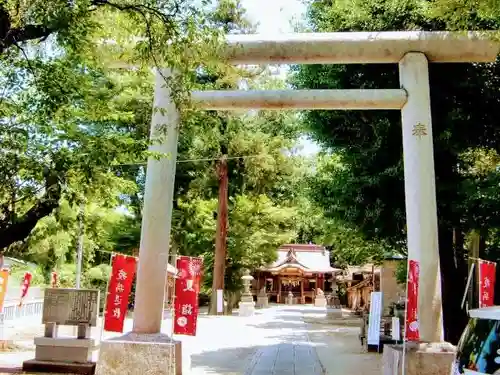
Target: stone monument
(70,307)
(320,300)
(247,305)
(262,299)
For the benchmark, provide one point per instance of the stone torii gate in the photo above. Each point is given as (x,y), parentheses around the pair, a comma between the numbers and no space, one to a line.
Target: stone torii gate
(413,51)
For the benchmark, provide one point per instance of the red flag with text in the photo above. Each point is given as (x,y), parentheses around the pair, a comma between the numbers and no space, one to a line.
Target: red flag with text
(119,288)
(487,273)
(54,280)
(187,289)
(25,286)
(412,331)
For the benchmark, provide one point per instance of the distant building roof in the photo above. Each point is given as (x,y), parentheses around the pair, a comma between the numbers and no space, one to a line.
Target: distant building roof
(306,257)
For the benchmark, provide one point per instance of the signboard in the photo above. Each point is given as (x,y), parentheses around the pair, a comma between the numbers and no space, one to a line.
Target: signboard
(70,307)
(374,318)
(220,301)
(119,288)
(411,329)
(487,274)
(395,329)
(187,289)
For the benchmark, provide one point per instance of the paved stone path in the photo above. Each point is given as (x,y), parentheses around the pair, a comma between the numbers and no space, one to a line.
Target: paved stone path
(296,355)
(281,340)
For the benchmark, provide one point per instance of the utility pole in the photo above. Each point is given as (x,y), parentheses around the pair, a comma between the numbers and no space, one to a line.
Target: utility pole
(220,236)
(79,253)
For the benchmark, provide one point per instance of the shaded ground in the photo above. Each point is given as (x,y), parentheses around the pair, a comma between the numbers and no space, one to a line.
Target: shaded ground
(281,340)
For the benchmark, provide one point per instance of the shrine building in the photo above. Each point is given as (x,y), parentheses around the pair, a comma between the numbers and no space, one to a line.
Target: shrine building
(300,269)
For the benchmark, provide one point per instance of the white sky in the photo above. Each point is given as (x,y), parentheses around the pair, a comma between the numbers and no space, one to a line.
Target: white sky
(277,17)
(274,16)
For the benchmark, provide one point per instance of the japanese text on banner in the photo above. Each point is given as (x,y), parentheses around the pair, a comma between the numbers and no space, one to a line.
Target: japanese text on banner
(412,330)
(187,289)
(25,286)
(119,287)
(487,274)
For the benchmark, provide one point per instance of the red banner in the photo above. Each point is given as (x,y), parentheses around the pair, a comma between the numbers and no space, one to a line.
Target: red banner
(187,289)
(119,287)
(25,286)
(412,331)
(54,280)
(4,281)
(487,274)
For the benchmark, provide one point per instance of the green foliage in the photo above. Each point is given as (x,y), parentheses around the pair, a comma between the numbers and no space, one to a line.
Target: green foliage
(70,116)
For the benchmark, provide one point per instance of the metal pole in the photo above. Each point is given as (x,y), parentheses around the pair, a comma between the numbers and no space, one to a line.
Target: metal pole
(79,254)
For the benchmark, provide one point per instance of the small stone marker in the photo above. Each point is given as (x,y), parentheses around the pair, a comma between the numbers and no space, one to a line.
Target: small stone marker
(262,299)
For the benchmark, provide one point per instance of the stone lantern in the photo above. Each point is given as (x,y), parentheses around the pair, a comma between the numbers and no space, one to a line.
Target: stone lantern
(247,305)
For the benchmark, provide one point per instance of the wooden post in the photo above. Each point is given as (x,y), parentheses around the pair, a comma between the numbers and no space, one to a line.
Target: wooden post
(278,298)
(302,301)
(221,234)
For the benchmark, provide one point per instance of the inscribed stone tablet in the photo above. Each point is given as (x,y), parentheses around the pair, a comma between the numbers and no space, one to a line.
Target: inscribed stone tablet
(70,306)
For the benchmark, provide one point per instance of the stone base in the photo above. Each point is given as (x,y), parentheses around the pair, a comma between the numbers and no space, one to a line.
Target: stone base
(262,302)
(58,367)
(246,308)
(138,354)
(421,359)
(332,313)
(320,302)
(64,349)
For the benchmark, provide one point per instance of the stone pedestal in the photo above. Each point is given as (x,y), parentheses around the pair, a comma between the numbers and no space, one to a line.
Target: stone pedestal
(421,359)
(64,349)
(262,300)
(138,354)
(246,308)
(320,301)
(333,313)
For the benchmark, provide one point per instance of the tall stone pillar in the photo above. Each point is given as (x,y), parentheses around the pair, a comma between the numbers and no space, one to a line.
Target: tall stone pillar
(146,349)
(157,211)
(420,192)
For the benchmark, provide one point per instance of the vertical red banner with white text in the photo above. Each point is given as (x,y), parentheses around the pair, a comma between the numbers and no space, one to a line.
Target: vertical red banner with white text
(412,324)
(25,286)
(119,288)
(487,276)
(54,280)
(187,289)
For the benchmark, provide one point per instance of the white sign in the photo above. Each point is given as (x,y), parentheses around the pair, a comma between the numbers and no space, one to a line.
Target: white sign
(374,318)
(396,330)
(220,301)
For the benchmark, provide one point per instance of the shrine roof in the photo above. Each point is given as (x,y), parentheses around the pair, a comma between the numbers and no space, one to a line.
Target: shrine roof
(307,257)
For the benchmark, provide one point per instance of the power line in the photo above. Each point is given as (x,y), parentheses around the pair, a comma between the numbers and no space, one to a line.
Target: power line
(202,159)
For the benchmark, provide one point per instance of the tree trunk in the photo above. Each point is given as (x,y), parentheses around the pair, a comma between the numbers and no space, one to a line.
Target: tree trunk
(221,235)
